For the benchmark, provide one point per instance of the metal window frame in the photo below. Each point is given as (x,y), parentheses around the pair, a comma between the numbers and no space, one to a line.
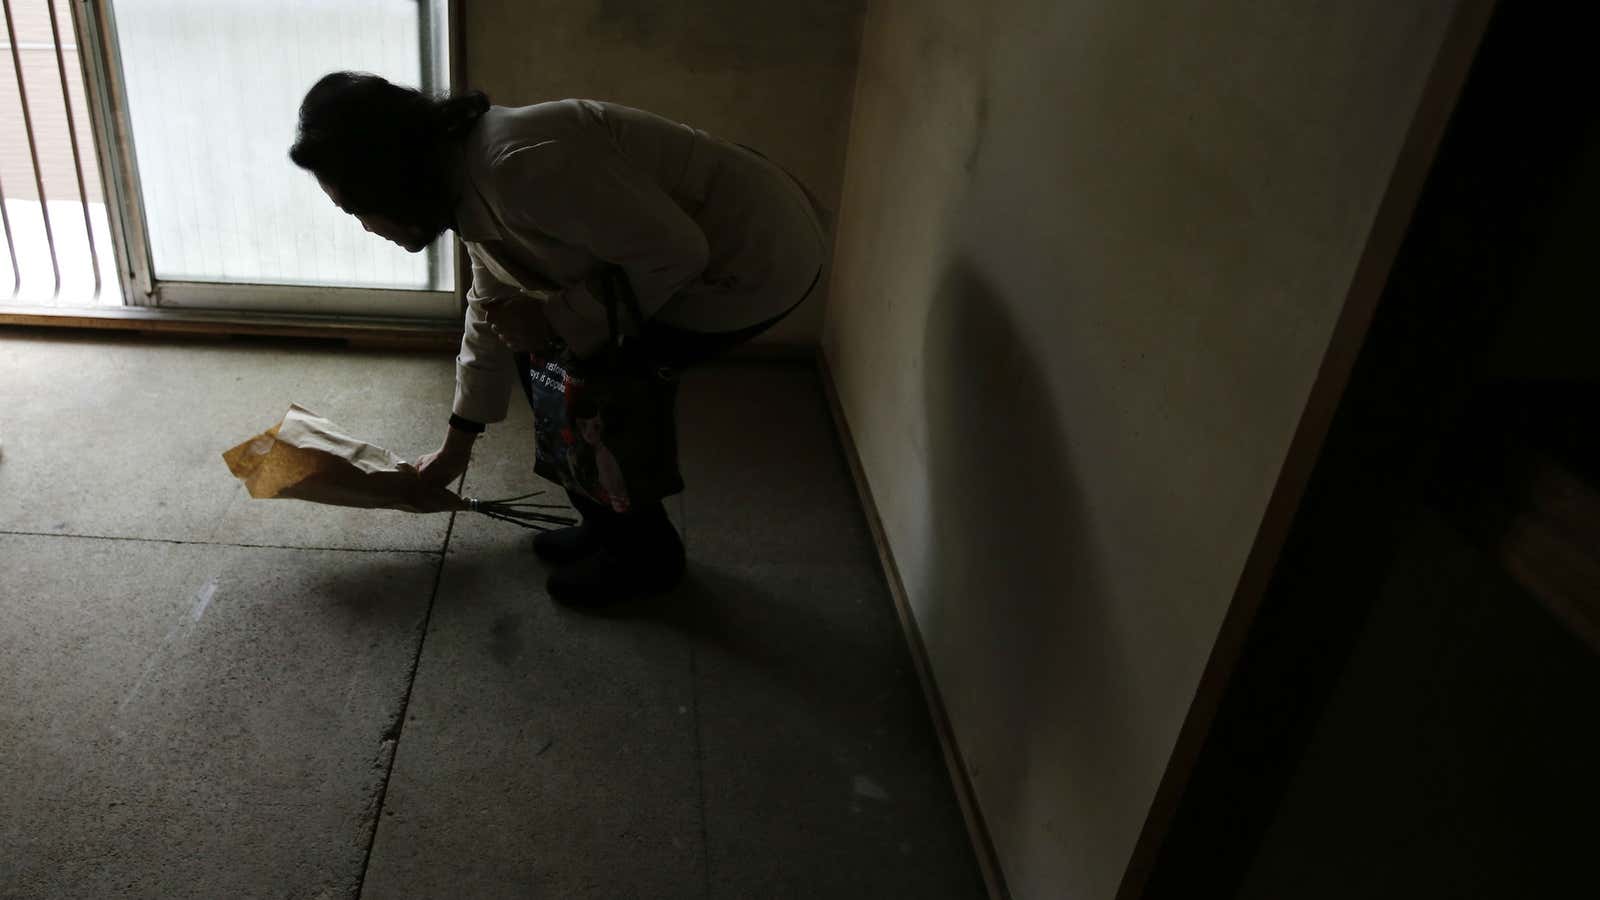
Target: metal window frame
(119,177)
(152,300)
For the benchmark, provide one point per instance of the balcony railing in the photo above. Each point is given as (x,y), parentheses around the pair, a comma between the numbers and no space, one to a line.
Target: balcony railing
(53,215)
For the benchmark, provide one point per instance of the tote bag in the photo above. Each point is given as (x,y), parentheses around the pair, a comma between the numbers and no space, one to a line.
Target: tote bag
(606,427)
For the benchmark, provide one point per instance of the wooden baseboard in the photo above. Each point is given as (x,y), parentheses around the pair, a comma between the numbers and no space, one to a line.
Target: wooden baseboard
(388,333)
(966,796)
(377,333)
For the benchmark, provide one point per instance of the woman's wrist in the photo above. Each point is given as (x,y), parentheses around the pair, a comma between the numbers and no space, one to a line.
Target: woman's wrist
(457,440)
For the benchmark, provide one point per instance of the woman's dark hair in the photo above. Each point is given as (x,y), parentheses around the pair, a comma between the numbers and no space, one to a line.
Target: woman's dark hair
(384,147)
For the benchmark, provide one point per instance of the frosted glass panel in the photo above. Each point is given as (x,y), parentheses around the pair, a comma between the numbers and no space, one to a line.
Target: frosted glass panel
(213,90)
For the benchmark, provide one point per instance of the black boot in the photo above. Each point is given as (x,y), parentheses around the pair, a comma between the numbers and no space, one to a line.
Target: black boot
(565,546)
(641,556)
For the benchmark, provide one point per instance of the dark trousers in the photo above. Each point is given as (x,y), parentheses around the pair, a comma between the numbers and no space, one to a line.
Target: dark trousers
(646,528)
(642,532)
(682,349)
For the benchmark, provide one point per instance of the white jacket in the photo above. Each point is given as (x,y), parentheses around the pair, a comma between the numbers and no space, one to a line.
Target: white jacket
(713,237)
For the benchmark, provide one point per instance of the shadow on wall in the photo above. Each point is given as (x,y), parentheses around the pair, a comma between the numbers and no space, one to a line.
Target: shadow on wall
(1016,610)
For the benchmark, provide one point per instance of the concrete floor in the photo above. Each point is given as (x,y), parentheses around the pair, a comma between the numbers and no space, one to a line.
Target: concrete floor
(207,696)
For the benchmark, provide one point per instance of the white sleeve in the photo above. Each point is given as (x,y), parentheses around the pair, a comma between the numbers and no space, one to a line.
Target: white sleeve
(485,368)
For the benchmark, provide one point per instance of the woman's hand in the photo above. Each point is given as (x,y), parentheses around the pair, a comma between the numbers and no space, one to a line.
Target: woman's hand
(444,465)
(518,322)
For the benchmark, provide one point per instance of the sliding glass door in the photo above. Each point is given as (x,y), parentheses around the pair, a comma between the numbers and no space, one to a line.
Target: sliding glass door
(203,96)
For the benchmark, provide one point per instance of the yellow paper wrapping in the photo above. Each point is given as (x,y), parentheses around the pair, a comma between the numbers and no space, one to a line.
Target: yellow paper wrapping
(306,457)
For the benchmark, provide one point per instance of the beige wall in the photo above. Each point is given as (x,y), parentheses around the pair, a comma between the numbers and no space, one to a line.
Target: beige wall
(775,76)
(1089,257)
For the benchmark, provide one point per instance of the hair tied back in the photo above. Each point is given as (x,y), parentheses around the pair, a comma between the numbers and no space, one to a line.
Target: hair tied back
(458,114)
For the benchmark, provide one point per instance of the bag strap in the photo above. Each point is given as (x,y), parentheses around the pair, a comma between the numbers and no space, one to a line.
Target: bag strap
(610,300)
(618,293)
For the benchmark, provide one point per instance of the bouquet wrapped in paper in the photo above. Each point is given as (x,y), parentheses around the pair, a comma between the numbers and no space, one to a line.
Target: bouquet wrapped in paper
(307,457)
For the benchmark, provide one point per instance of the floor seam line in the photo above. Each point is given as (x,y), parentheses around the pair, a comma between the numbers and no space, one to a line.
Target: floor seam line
(394,731)
(699,768)
(145,540)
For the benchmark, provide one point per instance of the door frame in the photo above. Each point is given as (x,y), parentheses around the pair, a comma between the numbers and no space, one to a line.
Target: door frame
(1189,797)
